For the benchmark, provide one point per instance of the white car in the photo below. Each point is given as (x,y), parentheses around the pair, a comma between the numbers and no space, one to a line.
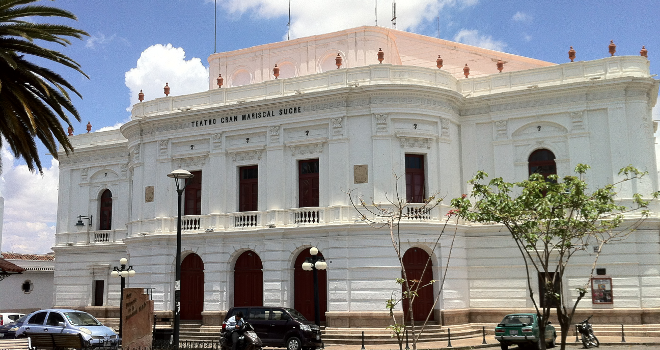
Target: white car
(9,317)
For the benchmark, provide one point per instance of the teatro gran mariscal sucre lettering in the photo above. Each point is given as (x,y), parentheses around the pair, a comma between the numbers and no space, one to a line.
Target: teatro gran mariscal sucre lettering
(273,157)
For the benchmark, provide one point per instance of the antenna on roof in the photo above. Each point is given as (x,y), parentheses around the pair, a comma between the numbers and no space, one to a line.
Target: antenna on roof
(394,14)
(376,12)
(215,27)
(288,31)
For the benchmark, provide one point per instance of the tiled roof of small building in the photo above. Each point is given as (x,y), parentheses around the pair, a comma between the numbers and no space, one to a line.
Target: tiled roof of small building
(19,256)
(6,266)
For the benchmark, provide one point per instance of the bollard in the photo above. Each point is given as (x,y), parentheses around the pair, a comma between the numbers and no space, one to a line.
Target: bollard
(483,330)
(407,347)
(623,337)
(576,334)
(449,338)
(362,340)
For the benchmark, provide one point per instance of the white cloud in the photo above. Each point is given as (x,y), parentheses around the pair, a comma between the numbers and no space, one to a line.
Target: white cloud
(330,16)
(114,127)
(522,17)
(160,64)
(30,206)
(472,37)
(98,39)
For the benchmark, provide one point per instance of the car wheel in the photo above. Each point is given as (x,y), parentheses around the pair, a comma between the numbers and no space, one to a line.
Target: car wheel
(293,344)
(504,346)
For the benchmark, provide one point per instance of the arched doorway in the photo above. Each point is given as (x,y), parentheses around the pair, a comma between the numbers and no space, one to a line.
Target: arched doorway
(542,161)
(414,260)
(303,288)
(248,280)
(192,287)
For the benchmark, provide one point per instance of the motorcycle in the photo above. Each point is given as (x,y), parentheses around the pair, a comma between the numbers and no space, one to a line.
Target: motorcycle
(247,340)
(589,340)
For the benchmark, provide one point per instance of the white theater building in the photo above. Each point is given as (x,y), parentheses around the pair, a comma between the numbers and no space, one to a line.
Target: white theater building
(273,158)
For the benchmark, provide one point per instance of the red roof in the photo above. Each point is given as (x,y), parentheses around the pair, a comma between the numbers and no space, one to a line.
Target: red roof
(6,266)
(19,256)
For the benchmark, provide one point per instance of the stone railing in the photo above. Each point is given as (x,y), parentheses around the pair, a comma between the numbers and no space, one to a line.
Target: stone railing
(583,71)
(85,237)
(341,78)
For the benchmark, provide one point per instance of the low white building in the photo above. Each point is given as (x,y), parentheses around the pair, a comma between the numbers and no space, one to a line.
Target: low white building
(32,289)
(273,152)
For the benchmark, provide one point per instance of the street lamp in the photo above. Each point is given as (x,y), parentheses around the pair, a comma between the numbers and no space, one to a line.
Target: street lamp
(180,177)
(123,272)
(314,263)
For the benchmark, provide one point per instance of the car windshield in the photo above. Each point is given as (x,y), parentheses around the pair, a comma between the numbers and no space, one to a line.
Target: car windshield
(296,315)
(80,318)
(22,319)
(517,319)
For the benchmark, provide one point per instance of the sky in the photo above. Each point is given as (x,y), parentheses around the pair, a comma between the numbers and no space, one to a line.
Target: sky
(141,45)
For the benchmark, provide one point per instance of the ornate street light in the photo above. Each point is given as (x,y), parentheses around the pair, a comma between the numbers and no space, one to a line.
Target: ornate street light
(123,272)
(314,263)
(180,177)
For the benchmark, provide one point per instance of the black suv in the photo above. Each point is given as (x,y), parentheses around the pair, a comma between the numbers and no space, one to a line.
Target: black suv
(280,327)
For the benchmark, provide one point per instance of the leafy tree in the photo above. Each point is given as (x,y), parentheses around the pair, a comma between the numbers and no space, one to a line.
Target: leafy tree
(390,214)
(33,98)
(550,221)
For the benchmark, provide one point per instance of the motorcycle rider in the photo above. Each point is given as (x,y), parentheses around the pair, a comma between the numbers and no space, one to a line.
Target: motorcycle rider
(234,325)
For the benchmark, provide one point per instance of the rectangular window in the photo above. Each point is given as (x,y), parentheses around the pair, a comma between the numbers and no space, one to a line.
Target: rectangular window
(98,292)
(415,178)
(308,183)
(248,191)
(193,195)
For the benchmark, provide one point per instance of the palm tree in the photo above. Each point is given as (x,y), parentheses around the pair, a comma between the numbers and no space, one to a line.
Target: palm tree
(33,98)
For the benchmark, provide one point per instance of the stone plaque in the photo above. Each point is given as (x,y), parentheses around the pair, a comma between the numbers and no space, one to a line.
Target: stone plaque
(360,174)
(149,194)
(138,318)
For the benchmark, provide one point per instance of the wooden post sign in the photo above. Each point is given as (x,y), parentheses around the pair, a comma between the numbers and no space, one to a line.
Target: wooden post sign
(138,314)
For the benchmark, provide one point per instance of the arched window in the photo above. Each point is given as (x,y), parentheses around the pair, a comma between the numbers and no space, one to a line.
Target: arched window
(106,211)
(542,161)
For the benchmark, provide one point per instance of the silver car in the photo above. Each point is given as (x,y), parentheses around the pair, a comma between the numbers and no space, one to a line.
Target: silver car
(72,322)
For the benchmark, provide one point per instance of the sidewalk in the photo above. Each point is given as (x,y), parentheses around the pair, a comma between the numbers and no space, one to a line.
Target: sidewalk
(477,343)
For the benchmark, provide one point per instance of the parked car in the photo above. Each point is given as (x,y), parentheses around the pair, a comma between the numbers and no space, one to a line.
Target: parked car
(9,317)
(280,327)
(523,329)
(69,321)
(8,331)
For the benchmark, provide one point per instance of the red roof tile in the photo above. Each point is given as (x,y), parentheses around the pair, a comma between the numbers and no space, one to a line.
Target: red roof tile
(6,266)
(19,256)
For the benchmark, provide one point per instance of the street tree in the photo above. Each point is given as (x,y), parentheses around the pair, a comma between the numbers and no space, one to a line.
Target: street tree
(389,215)
(550,221)
(33,98)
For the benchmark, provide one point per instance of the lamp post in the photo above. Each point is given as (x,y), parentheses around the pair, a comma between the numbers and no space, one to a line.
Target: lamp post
(314,263)
(180,177)
(123,272)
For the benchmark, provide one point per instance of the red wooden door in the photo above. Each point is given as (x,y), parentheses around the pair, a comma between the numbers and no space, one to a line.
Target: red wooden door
(106,211)
(193,195)
(248,188)
(415,177)
(248,280)
(303,288)
(415,260)
(192,287)
(308,183)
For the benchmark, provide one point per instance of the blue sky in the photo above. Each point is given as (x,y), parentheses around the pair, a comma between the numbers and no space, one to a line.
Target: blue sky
(157,41)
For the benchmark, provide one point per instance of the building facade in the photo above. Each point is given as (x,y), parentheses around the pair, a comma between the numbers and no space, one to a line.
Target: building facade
(274,152)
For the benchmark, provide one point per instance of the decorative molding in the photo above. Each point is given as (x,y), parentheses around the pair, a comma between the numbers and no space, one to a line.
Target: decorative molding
(83,173)
(162,147)
(539,129)
(501,130)
(124,169)
(444,124)
(307,149)
(381,123)
(190,162)
(246,156)
(415,142)
(216,141)
(577,121)
(135,153)
(337,126)
(274,132)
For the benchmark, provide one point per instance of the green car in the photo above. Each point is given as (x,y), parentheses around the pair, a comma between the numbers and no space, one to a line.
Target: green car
(523,329)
